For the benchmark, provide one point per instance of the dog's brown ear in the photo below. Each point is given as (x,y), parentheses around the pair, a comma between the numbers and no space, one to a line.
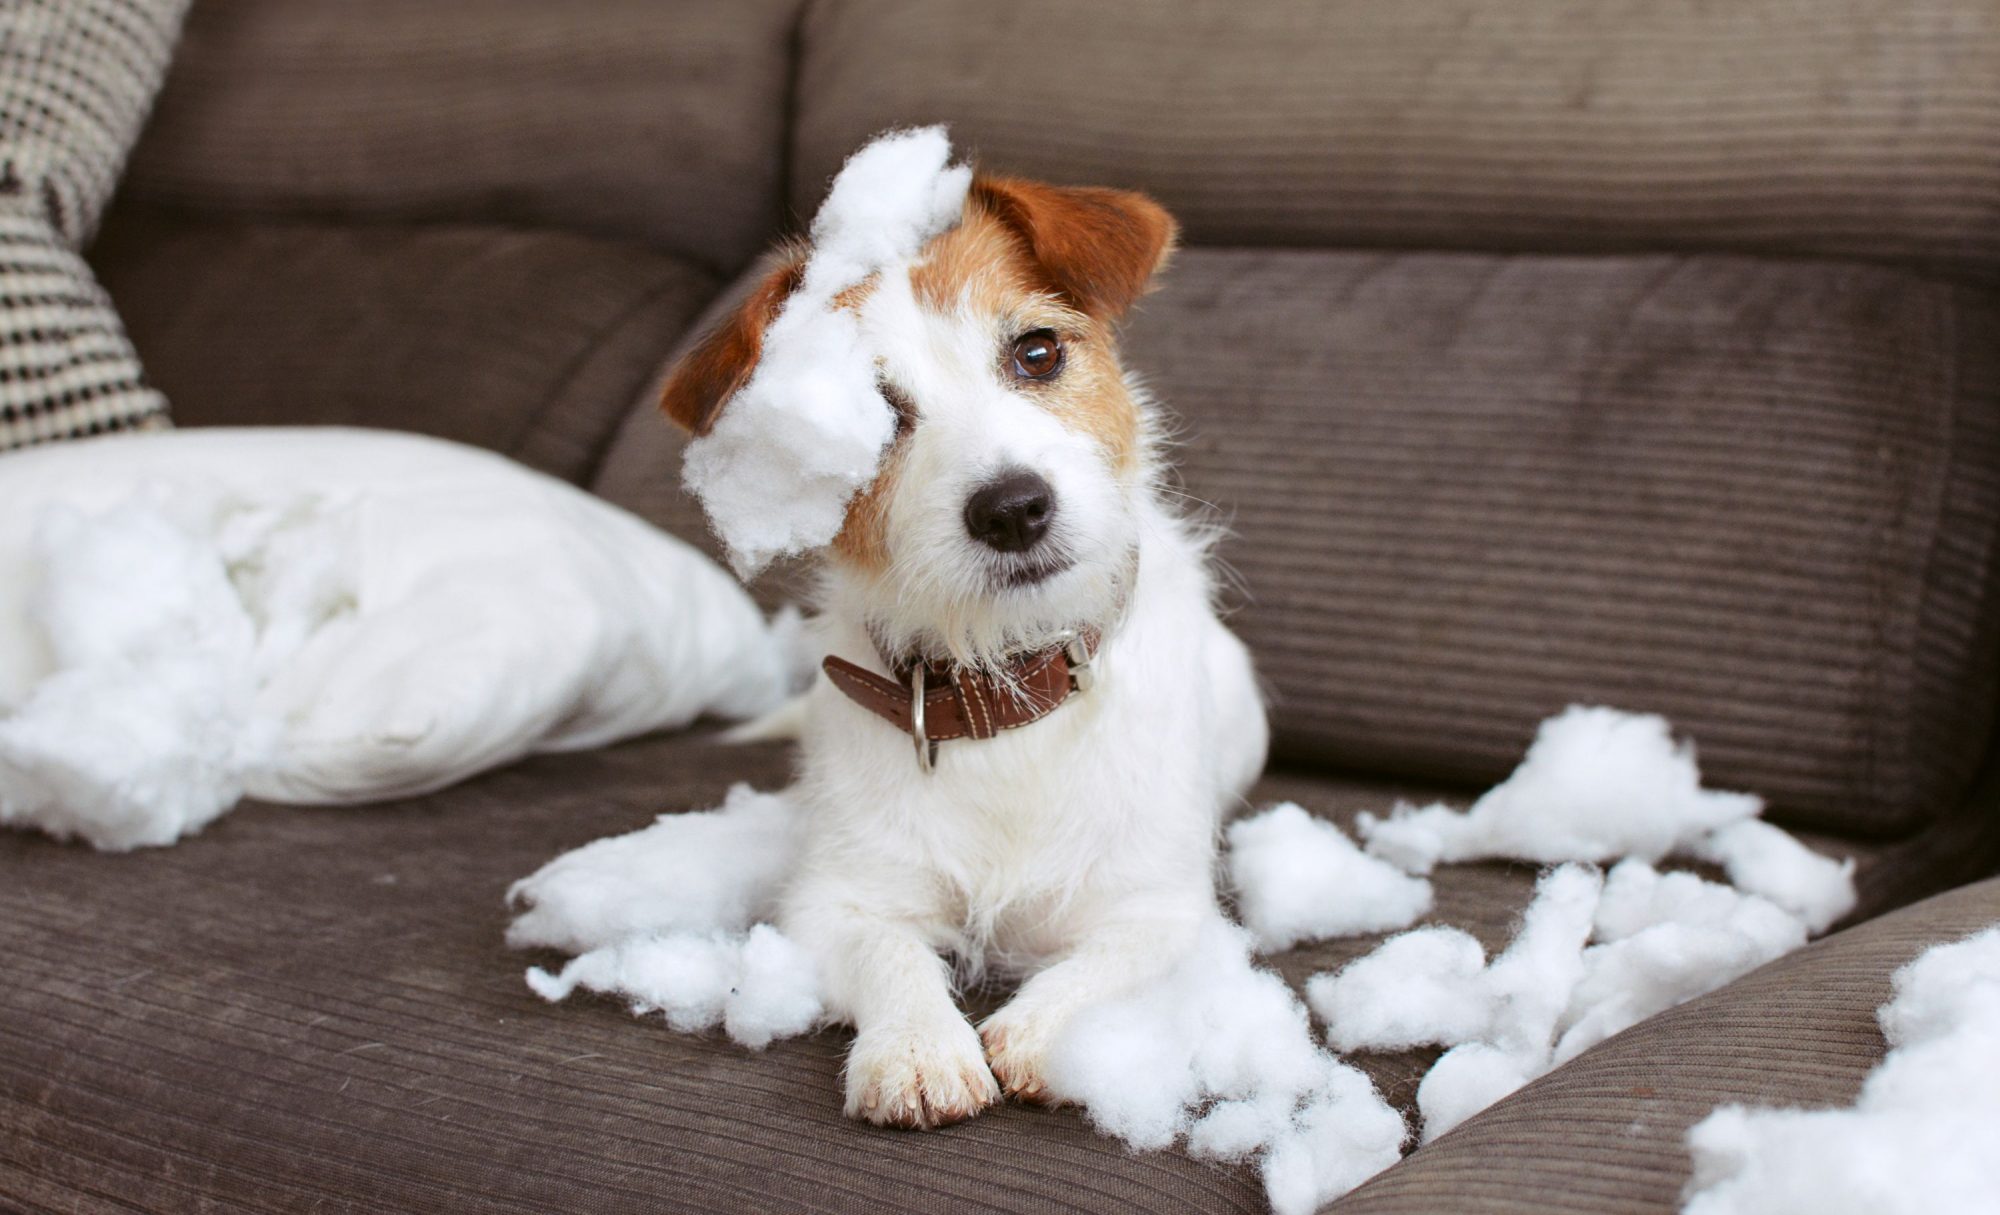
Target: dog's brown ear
(707,376)
(1099,247)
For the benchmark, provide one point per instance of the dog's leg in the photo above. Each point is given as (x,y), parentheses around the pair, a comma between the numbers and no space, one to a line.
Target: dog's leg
(916,1062)
(1109,960)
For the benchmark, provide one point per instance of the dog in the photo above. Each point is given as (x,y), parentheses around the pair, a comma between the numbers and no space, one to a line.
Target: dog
(1032,720)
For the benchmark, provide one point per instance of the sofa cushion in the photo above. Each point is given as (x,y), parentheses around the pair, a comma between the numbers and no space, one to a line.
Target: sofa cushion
(1605,1134)
(1761,498)
(532,343)
(638,119)
(315,1006)
(1760,125)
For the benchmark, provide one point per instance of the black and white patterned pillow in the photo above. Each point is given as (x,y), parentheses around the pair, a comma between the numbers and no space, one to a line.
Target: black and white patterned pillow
(76,80)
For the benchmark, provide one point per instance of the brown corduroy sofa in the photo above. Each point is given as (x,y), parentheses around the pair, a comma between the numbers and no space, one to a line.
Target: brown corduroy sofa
(1535,353)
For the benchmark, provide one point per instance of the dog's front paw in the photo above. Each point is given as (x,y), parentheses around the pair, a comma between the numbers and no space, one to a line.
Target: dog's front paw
(918,1078)
(1018,1042)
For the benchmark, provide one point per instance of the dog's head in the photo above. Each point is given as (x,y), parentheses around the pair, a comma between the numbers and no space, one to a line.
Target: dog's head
(1006,508)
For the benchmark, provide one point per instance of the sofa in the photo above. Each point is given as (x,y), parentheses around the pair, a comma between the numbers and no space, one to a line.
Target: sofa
(1532,354)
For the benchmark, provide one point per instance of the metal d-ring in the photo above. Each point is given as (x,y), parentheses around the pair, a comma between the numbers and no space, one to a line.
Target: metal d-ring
(1081,677)
(926,749)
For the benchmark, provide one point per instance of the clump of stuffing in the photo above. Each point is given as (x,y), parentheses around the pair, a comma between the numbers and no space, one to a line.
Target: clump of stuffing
(1423,987)
(1526,990)
(1298,878)
(1599,784)
(1219,1055)
(671,919)
(711,871)
(1765,860)
(1663,939)
(757,985)
(1918,1140)
(807,431)
(147,726)
(1660,939)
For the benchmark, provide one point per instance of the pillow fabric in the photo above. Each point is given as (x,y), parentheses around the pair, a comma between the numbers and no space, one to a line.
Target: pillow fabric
(325,616)
(76,80)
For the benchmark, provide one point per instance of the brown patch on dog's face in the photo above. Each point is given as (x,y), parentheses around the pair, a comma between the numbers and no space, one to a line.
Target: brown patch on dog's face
(987,267)
(864,536)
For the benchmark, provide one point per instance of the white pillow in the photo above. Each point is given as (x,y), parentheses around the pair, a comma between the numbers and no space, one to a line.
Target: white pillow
(328,615)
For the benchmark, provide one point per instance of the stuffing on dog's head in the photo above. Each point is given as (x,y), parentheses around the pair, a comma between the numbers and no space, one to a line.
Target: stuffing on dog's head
(1001,504)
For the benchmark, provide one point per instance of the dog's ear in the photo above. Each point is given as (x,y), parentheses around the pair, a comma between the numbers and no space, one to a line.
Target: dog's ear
(708,375)
(1099,247)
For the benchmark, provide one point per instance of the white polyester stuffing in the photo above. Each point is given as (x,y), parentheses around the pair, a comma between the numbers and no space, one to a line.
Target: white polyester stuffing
(146,725)
(715,871)
(1220,1054)
(1424,987)
(1765,860)
(1661,939)
(1599,784)
(1596,785)
(807,431)
(1299,878)
(757,985)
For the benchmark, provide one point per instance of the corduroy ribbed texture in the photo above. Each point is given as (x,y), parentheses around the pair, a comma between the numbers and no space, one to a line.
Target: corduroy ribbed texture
(532,343)
(1757,497)
(1865,128)
(652,120)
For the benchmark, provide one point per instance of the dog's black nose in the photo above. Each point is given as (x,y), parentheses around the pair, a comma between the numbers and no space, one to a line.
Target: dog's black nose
(1011,512)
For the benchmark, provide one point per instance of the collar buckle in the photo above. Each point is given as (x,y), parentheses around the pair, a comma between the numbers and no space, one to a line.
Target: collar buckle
(1076,651)
(926,748)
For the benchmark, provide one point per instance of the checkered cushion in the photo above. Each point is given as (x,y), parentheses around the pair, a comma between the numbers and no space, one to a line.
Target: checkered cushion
(76,80)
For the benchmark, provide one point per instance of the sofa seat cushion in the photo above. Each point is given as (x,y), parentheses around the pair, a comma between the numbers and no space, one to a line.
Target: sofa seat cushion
(532,343)
(315,1006)
(655,121)
(1605,1135)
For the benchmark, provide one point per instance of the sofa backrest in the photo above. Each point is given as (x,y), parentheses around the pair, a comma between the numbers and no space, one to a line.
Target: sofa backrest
(1536,352)
(660,121)
(1843,127)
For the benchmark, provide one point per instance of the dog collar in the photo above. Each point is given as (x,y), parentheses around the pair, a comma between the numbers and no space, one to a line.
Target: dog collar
(936,701)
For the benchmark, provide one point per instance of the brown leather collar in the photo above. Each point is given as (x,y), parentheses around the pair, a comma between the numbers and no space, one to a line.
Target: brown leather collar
(960,703)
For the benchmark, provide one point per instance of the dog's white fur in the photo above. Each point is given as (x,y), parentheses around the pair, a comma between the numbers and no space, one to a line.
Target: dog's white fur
(1076,853)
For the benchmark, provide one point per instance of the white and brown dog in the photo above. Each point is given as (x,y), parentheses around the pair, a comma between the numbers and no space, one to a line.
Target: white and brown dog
(1033,721)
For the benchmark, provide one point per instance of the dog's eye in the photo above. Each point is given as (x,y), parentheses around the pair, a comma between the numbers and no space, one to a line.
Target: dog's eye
(906,409)
(1037,355)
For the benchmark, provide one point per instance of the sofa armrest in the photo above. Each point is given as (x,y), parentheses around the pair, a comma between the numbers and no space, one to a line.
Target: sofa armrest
(1607,1132)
